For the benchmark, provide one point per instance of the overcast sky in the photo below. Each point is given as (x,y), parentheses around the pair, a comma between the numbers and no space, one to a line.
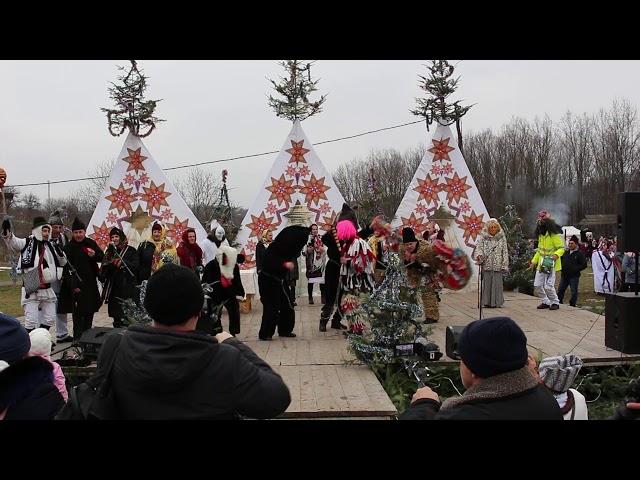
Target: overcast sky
(51,127)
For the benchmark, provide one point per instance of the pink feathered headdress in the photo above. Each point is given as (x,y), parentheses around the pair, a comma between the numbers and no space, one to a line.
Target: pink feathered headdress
(346,230)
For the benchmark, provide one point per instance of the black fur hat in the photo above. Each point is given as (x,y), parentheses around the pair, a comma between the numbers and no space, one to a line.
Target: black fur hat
(408,235)
(39,222)
(290,242)
(348,213)
(78,225)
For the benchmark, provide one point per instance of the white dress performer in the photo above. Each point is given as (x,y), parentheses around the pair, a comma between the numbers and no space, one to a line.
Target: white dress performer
(40,264)
(603,272)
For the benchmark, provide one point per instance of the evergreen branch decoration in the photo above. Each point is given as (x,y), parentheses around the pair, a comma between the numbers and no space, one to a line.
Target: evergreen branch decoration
(439,86)
(131,111)
(296,88)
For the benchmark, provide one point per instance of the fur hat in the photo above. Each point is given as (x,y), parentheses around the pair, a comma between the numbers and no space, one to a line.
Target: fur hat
(40,342)
(55,218)
(347,213)
(14,340)
(120,233)
(289,242)
(77,225)
(39,222)
(574,238)
(408,235)
(559,373)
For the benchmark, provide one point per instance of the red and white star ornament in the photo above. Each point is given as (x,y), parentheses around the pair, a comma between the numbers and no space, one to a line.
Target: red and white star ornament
(456,188)
(176,229)
(166,214)
(271,208)
(155,197)
(428,189)
(121,198)
(416,223)
(101,235)
(441,149)
(259,224)
(314,189)
(297,152)
(472,225)
(135,159)
(281,190)
(303,171)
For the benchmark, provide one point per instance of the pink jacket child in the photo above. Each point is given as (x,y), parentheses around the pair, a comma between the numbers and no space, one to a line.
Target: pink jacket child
(41,346)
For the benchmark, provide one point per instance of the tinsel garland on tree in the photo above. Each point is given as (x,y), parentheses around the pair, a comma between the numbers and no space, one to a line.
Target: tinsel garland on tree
(520,252)
(393,316)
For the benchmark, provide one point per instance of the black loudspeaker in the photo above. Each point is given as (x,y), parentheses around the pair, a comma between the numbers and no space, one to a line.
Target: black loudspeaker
(452,336)
(628,222)
(622,322)
(92,340)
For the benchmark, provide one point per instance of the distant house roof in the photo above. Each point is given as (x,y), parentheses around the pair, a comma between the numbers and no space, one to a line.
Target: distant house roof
(599,220)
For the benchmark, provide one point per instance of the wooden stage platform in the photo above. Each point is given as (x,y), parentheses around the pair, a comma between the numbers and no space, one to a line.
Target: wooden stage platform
(323,386)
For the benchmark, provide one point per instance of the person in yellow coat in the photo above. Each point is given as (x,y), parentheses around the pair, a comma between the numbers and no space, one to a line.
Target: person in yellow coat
(547,261)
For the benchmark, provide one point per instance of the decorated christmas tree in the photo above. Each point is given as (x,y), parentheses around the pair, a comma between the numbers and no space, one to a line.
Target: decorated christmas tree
(131,111)
(439,86)
(520,253)
(296,88)
(393,316)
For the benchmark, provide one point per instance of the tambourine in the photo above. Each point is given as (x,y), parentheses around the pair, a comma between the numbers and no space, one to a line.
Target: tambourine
(457,265)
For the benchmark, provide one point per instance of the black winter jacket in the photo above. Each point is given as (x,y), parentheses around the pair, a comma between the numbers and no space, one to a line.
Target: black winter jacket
(28,392)
(173,375)
(510,396)
(573,263)
(88,300)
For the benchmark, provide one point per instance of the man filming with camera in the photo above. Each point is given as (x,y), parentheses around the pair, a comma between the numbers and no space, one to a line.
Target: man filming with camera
(494,370)
(169,370)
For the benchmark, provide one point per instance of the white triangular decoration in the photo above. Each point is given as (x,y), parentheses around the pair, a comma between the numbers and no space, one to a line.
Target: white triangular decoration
(138,191)
(297,175)
(444,178)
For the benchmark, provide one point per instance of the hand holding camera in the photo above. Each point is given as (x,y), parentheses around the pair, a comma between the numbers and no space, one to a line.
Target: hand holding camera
(426,393)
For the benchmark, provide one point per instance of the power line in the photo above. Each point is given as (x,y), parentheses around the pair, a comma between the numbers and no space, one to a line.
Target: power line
(222,159)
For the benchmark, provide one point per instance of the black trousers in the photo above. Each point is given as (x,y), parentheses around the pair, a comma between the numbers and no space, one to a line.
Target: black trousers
(333,294)
(277,308)
(233,309)
(82,322)
(310,289)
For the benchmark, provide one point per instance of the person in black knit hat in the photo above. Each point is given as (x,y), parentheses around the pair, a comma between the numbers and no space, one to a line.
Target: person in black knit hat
(118,273)
(494,369)
(81,281)
(171,371)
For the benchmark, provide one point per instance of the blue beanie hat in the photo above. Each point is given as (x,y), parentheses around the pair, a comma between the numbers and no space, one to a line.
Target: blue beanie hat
(14,340)
(493,346)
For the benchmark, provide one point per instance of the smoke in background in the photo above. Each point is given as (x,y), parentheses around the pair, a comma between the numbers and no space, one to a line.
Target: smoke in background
(557,202)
